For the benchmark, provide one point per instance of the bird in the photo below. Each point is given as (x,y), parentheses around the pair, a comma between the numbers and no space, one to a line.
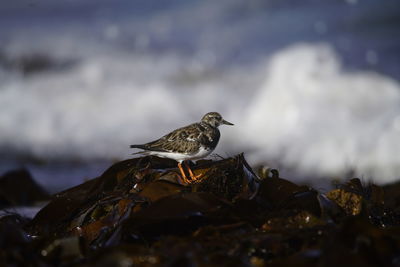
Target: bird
(191,142)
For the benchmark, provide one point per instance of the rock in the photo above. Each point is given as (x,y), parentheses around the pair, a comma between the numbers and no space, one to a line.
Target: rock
(139,213)
(130,186)
(350,202)
(17,188)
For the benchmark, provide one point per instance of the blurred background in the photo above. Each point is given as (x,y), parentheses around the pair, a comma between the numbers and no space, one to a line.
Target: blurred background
(312,86)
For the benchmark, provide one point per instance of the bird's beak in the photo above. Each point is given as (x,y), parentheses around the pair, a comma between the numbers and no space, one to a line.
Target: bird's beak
(227,122)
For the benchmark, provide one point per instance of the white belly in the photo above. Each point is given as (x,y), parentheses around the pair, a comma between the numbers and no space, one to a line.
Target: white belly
(181,157)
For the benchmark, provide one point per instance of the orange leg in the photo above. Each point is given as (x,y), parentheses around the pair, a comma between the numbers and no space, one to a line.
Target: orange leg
(183,175)
(192,175)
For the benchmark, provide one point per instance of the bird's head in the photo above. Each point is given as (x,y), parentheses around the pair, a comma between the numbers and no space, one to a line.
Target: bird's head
(214,119)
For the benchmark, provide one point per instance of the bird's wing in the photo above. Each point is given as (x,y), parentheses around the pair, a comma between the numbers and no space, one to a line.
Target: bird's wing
(182,140)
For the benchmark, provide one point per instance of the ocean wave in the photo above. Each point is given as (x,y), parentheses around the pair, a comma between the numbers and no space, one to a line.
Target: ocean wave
(323,120)
(299,106)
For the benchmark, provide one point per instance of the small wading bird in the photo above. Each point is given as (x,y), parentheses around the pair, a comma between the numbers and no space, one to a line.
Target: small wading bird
(191,142)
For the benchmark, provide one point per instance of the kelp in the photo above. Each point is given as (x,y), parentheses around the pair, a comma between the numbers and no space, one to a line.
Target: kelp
(140,213)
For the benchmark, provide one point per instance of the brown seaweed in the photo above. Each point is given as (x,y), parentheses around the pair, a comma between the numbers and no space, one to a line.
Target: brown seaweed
(139,213)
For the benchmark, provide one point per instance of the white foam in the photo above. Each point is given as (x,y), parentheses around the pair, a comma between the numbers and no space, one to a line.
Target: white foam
(104,103)
(308,111)
(324,120)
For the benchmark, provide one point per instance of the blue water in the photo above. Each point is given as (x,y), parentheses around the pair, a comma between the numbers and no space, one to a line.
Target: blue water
(235,32)
(311,84)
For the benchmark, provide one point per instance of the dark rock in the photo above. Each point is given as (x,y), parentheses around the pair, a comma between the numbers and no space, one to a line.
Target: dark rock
(130,186)
(139,213)
(18,188)
(16,245)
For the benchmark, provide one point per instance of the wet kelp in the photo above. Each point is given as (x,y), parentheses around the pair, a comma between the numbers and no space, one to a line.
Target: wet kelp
(140,213)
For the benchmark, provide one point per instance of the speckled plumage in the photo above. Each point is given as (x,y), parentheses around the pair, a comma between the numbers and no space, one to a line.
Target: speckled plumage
(194,141)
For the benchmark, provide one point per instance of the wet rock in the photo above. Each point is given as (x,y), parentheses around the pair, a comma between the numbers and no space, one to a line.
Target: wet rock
(359,243)
(140,213)
(18,188)
(139,187)
(300,220)
(350,202)
(368,200)
(16,245)
(392,195)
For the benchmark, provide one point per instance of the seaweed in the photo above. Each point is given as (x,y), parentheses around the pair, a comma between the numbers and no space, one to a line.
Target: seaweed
(139,213)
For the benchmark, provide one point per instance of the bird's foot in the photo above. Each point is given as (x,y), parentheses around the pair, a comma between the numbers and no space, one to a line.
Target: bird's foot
(195,178)
(183,175)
